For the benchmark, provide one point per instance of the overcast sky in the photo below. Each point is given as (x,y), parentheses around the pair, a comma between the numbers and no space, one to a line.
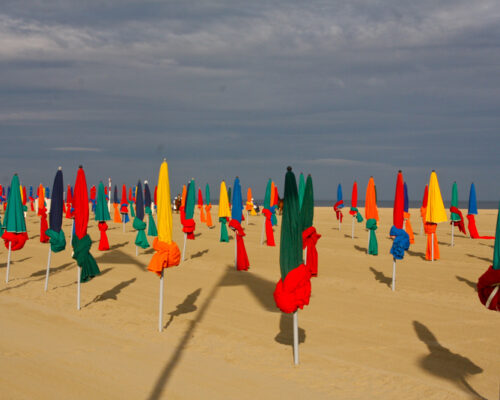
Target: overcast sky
(339,89)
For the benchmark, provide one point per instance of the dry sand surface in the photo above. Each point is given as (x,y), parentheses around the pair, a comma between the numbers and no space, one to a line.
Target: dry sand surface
(224,338)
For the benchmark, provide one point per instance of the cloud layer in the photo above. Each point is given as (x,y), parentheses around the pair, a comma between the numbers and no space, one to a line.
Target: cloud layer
(342,90)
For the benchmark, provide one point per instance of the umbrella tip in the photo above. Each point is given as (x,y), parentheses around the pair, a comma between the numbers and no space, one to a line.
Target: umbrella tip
(80,166)
(59,168)
(145,182)
(289,169)
(164,159)
(400,171)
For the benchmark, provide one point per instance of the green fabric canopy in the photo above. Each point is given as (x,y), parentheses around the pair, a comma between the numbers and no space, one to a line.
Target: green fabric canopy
(101,208)
(224,237)
(14,215)
(267,197)
(454,202)
(301,189)
(371,225)
(307,208)
(207,194)
(291,233)
(190,200)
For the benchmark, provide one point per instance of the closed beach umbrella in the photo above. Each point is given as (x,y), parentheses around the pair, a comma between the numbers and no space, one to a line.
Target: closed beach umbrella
(371,215)
(69,203)
(200,206)
(14,225)
(302,187)
(81,240)
(401,240)
(42,213)
(102,215)
(55,232)
(406,215)
(354,207)
(268,212)
(187,214)
(131,201)
(293,290)
(309,235)
(147,203)
(241,257)
(116,204)
(167,252)
(456,217)
(488,285)
(224,212)
(474,234)
(124,207)
(435,214)
(139,224)
(337,207)
(208,206)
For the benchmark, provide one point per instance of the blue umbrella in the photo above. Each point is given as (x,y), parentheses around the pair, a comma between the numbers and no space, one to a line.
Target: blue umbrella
(339,195)
(472,200)
(116,200)
(147,202)
(237,204)
(47,193)
(406,199)
(55,233)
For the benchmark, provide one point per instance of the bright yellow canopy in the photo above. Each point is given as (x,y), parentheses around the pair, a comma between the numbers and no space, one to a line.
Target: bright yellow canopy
(371,210)
(224,210)
(164,207)
(435,207)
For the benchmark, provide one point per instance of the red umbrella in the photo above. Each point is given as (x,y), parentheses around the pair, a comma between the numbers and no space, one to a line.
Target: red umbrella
(200,206)
(69,203)
(81,242)
(399,202)
(354,207)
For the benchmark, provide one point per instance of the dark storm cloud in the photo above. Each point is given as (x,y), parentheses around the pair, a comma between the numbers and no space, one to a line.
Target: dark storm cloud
(343,90)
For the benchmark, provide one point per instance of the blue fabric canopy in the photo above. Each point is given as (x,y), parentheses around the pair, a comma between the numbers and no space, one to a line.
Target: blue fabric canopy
(147,196)
(339,195)
(139,202)
(406,199)
(56,206)
(236,203)
(472,200)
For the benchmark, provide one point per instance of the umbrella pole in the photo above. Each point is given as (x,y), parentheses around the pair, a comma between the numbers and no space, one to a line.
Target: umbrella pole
(393,286)
(48,269)
(368,245)
(247,217)
(235,252)
(296,338)
(352,232)
(136,251)
(79,270)
(262,234)
(160,317)
(339,224)
(72,227)
(8,264)
(184,248)
(452,233)
(432,247)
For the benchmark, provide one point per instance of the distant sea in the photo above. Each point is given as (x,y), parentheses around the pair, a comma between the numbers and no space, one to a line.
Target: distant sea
(485,205)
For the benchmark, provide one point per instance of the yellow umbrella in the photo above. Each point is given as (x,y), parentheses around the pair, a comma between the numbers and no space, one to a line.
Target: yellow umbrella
(224,212)
(167,252)
(435,214)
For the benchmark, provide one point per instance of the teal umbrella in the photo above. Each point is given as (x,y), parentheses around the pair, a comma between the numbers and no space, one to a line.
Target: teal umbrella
(293,290)
(187,215)
(14,225)
(152,231)
(309,235)
(139,224)
(302,186)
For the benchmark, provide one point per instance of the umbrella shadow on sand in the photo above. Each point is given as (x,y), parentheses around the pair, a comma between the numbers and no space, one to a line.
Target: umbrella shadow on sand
(466,281)
(359,248)
(379,276)
(485,259)
(262,289)
(199,254)
(112,294)
(443,363)
(186,307)
(416,254)
(53,271)
(285,335)
(119,257)
(4,265)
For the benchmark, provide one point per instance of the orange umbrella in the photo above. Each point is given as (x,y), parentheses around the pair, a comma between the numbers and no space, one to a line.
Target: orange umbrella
(371,215)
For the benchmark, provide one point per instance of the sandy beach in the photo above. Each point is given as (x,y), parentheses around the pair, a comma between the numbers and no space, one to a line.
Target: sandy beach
(224,338)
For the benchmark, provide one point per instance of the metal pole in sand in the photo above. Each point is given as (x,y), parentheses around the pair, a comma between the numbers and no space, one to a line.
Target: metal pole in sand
(393,286)
(160,316)
(79,270)
(352,233)
(235,252)
(8,263)
(263,230)
(184,248)
(452,233)
(48,270)
(296,338)
(368,244)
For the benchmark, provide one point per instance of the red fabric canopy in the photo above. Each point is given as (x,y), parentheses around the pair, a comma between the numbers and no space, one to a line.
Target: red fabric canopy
(399,202)
(81,204)
(354,196)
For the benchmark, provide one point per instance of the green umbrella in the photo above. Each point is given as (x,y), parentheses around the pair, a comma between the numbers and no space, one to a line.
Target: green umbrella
(139,224)
(190,200)
(101,208)
(267,196)
(302,187)
(294,288)
(14,226)
(454,202)
(188,221)
(307,204)
(14,215)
